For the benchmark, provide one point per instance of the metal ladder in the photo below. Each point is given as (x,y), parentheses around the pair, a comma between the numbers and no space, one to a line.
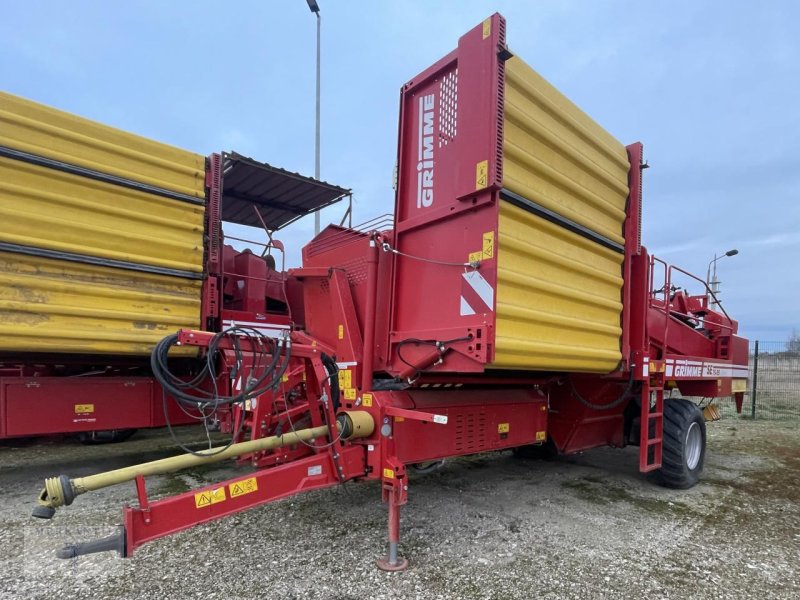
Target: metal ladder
(651,429)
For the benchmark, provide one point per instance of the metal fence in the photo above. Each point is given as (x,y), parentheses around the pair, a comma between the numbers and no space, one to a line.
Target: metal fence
(773,382)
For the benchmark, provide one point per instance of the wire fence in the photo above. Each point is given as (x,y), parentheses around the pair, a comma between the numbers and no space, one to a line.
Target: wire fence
(773,382)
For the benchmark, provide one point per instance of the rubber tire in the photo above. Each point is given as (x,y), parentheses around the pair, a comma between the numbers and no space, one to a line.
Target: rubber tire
(679,414)
(113,436)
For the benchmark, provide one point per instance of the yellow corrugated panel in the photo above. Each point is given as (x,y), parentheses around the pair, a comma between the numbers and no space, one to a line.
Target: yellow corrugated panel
(45,131)
(558,297)
(58,306)
(47,208)
(558,157)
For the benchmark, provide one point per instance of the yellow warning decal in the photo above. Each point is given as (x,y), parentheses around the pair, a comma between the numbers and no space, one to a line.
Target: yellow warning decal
(345,378)
(739,385)
(284,378)
(366,400)
(388,473)
(488,244)
(541,436)
(81,409)
(487,28)
(475,257)
(502,428)
(209,497)
(349,394)
(240,488)
(482,175)
(341,332)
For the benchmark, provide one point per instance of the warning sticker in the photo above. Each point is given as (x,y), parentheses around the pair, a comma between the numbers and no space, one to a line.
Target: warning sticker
(345,378)
(502,428)
(366,400)
(240,488)
(541,436)
(82,409)
(475,257)
(481,174)
(350,394)
(209,497)
(487,28)
(488,244)
(341,332)
(388,473)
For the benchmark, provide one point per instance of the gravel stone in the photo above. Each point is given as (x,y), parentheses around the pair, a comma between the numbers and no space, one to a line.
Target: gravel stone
(482,527)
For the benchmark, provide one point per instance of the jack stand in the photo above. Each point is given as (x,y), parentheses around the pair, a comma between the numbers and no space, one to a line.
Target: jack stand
(395,493)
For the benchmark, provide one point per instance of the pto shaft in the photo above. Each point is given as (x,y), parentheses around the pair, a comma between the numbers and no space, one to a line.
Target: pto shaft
(60,491)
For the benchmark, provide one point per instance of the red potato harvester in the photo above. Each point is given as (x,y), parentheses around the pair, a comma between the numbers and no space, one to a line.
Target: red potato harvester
(508,304)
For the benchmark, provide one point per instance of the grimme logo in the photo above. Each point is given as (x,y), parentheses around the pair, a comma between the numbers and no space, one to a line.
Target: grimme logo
(425,164)
(687,371)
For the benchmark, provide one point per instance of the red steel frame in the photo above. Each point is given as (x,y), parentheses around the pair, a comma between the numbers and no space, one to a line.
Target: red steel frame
(357,305)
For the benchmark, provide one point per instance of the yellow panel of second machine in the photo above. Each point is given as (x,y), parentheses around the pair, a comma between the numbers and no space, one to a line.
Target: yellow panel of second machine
(558,297)
(50,209)
(44,131)
(51,305)
(559,158)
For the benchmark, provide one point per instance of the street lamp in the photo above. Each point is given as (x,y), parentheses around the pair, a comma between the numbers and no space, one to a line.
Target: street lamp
(711,278)
(312,4)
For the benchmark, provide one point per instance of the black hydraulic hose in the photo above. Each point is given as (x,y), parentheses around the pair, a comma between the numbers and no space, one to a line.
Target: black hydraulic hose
(190,392)
(613,404)
(330,366)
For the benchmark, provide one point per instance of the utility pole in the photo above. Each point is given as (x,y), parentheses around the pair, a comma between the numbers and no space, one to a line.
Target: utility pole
(711,279)
(312,4)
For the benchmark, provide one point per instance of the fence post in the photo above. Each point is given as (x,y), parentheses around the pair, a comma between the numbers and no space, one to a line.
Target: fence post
(754,394)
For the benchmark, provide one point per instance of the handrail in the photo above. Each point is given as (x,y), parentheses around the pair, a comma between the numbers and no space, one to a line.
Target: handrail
(708,289)
(668,312)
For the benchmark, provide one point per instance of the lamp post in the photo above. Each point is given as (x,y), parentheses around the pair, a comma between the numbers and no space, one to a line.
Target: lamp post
(312,4)
(711,276)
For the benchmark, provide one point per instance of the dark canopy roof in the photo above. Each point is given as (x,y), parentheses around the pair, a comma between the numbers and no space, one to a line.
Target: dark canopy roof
(280,196)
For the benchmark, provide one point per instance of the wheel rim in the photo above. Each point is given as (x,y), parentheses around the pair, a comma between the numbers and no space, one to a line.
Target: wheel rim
(694,445)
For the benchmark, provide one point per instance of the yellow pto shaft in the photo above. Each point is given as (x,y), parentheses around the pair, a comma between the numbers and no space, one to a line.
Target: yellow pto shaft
(62,490)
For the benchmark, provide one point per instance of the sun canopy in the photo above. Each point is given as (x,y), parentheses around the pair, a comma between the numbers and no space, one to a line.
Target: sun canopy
(280,197)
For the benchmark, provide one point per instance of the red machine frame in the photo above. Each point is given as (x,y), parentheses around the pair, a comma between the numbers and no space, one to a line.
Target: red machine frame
(350,301)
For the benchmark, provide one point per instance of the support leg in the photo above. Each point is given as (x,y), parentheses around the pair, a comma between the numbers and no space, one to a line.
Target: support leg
(393,562)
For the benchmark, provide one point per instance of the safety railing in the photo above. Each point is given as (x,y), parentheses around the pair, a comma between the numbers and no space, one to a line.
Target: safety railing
(352,234)
(669,310)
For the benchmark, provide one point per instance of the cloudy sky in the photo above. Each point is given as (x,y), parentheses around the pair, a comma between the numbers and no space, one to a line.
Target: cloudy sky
(711,88)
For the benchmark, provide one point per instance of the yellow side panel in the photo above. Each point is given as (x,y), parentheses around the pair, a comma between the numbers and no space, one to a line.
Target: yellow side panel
(558,297)
(558,157)
(44,131)
(58,306)
(46,208)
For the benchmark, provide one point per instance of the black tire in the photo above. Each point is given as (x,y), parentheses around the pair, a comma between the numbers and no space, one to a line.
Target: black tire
(111,436)
(684,444)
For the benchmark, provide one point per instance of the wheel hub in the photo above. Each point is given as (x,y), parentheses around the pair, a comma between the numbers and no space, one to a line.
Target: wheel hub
(694,445)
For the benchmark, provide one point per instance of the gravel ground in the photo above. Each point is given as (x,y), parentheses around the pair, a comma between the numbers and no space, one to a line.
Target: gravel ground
(489,526)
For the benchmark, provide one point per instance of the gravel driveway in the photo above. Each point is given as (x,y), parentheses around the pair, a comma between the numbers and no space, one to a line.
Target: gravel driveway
(489,526)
